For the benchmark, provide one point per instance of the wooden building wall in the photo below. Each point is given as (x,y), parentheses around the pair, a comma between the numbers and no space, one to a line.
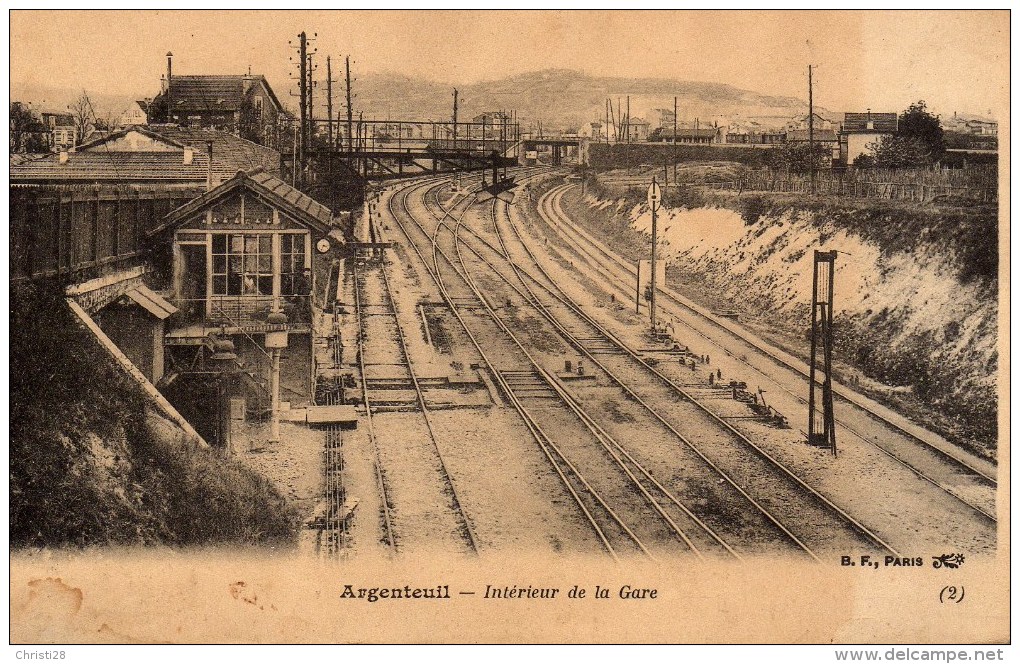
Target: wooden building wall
(84,232)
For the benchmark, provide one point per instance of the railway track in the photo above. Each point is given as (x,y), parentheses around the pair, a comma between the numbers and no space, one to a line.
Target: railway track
(641,480)
(786,503)
(573,462)
(389,342)
(928,463)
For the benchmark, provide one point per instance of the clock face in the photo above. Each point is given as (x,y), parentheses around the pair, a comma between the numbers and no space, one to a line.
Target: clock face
(322,245)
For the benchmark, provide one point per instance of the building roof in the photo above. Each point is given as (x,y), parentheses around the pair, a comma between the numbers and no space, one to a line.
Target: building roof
(196,94)
(103,166)
(274,191)
(61,118)
(881,122)
(234,152)
(161,158)
(822,135)
(17,158)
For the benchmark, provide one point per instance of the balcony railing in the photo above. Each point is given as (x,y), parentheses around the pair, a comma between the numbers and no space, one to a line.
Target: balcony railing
(243,310)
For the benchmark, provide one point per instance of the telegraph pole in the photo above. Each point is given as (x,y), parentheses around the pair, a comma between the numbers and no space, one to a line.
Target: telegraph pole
(674,141)
(811,127)
(304,99)
(350,108)
(455,118)
(311,103)
(329,101)
(628,119)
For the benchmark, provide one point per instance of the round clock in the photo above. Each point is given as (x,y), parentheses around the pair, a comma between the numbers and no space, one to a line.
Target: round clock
(322,245)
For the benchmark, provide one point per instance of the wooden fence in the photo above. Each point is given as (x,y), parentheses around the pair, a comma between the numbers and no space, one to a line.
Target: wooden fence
(920,191)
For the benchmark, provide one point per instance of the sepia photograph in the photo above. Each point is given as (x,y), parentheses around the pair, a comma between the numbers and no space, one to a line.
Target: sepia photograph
(484,326)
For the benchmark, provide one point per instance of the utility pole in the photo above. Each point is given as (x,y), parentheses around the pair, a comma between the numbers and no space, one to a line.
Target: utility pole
(674,141)
(455,118)
(329,101)
(628,119)
(619,119)
(311,102)
(811,127)
(612,116)
(350,109)
(303,64)
(607,121)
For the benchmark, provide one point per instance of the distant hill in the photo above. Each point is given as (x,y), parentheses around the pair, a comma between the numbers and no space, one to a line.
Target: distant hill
(566,98)
(58,99)
(559,98)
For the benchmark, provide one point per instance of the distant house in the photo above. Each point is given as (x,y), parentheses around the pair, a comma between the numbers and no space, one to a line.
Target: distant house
(637,130)
(593,130)
(754,136)
(686,134)
(980,127)
(489,124)
(802,122)
(859,131)
(136,114)
(663,117)
(804,136)
(244,104)
(63,134)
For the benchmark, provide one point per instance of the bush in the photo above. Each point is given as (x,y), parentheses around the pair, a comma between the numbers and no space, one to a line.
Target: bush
(86,466)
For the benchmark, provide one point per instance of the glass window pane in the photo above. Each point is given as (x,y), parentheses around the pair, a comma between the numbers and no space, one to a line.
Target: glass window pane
(220,264)
(235,264)
(219,244)
(266,285)
(251,263)
(220,285)
(234,284)
(265,264)
(251,244)
(236,244)
(265,244)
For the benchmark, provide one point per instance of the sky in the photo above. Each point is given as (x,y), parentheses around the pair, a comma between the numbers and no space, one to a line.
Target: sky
(956,61)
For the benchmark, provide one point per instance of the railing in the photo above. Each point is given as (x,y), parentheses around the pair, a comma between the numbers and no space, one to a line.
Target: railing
(243,310)
(914,186)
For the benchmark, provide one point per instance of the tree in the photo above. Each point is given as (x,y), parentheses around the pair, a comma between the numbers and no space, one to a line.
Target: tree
(25,130)
(83,114)
(924,129)
(797,157)
(900,152)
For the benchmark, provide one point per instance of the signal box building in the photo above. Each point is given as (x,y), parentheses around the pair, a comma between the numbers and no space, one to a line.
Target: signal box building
(249,247)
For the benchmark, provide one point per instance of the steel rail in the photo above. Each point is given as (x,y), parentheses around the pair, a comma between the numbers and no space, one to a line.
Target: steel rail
(551,199)
(545,442)
(420,397)
(384,495)
(571,227)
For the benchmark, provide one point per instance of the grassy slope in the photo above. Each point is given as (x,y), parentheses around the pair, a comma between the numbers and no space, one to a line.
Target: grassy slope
(946,396)
(92,465)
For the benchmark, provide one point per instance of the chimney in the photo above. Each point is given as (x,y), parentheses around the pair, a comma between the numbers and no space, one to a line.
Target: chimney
(63,156)
(169,75)
(189,156)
